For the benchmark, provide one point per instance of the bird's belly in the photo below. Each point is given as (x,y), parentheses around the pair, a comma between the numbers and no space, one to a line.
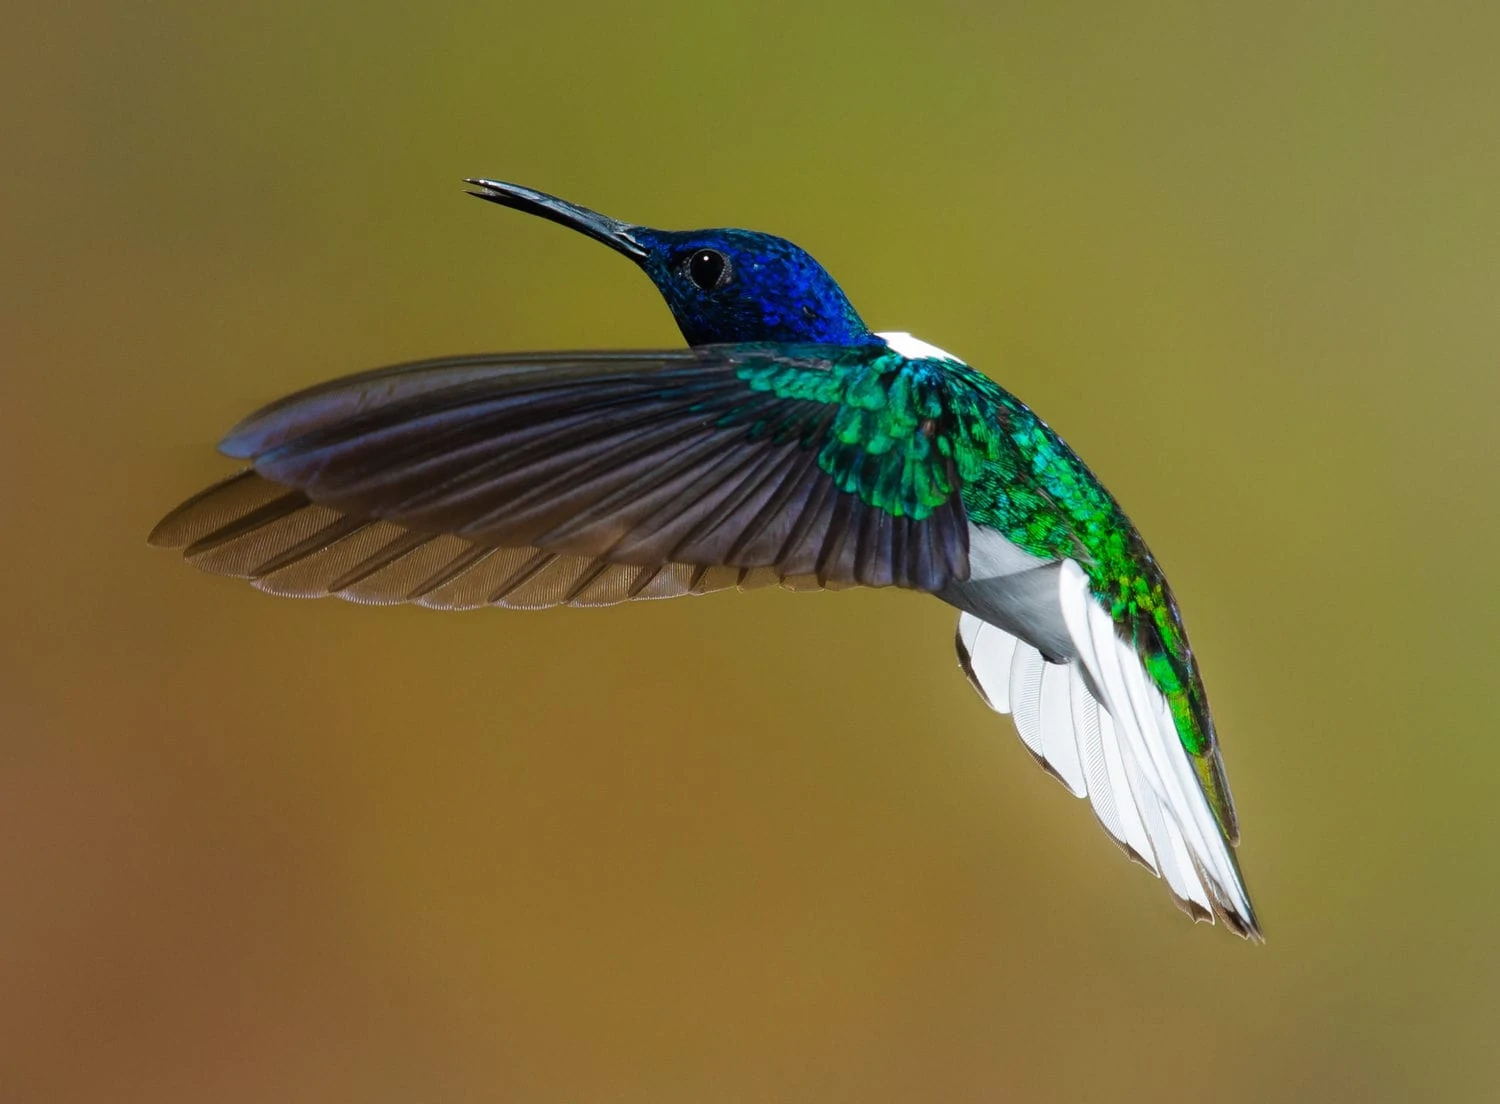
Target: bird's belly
(991,556)
(1014,591)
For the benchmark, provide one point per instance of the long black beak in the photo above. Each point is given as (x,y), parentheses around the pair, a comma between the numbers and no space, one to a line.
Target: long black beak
(613,233)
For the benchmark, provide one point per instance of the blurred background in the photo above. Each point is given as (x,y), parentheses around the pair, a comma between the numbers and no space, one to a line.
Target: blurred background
(1246,258)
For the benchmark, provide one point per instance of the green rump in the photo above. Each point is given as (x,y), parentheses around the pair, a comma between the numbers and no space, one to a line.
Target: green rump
(908,434)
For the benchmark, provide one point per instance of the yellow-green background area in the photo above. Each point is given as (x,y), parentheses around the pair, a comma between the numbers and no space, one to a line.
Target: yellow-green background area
(769,847)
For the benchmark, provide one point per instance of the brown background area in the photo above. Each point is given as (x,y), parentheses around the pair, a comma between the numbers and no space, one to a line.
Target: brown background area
(760,847)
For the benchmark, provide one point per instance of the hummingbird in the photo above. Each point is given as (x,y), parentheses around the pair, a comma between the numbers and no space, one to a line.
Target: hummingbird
(787,444)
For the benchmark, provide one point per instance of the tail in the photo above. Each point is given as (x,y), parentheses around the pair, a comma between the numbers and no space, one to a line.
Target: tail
(1098,725)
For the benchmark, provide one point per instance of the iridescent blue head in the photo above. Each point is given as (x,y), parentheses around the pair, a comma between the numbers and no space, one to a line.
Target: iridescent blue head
(721,285)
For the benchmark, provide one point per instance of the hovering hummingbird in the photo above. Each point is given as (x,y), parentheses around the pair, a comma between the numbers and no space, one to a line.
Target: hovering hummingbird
(788,444)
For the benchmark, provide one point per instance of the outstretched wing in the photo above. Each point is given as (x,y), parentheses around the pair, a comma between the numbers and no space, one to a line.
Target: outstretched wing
(592,477)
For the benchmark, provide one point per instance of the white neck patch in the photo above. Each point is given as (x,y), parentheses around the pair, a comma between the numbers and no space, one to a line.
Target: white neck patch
(915,347)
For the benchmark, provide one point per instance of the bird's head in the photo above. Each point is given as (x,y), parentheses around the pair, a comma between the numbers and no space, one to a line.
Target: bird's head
(721,285)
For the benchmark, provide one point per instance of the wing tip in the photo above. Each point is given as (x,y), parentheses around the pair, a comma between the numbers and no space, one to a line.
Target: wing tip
(251,435)
(182,525)
(236,444)
(163,533)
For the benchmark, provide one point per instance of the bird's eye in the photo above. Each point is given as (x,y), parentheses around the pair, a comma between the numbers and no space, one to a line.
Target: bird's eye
(708,268)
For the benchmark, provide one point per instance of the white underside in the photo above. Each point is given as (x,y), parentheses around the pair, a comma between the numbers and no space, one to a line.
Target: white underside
(991,556)
(1121,749)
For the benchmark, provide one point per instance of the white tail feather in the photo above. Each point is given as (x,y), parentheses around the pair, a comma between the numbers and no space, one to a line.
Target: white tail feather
(1149,734)
(1132,829)
(1026,670)
(1060,742)
(1123,751)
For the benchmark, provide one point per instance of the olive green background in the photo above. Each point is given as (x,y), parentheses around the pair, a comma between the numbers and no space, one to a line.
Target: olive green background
(768,847)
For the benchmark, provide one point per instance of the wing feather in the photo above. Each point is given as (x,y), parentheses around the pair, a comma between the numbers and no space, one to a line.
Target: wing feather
(305,550)
(715,457)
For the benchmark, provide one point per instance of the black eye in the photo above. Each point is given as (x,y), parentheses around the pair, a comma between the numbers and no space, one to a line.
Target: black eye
(708,268)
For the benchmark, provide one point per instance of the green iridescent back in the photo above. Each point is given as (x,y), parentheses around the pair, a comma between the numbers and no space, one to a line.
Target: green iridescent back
(908,434)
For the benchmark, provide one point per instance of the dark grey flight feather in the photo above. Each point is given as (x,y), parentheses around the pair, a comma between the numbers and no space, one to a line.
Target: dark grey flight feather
(304,550)
(539,480)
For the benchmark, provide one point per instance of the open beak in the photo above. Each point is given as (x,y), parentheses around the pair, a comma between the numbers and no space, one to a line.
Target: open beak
(613,233)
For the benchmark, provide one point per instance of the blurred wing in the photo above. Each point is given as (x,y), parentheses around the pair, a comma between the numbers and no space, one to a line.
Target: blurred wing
(590,478)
